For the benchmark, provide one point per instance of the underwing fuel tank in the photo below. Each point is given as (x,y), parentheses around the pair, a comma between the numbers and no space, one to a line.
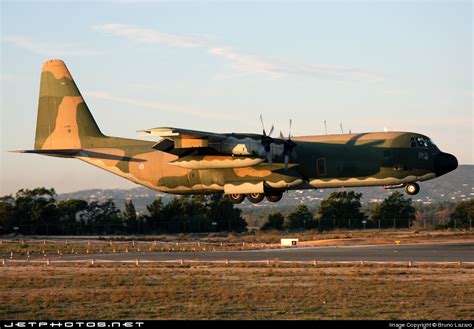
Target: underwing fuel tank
(215,162)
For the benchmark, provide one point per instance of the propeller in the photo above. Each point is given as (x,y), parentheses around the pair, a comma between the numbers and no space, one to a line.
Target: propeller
(267,141)
(288,146)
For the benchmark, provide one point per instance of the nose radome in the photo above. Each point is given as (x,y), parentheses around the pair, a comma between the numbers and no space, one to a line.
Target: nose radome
(444,163)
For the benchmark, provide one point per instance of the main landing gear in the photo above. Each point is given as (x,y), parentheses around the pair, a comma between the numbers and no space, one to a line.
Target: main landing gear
(236,198)
(255,197)
(412,188)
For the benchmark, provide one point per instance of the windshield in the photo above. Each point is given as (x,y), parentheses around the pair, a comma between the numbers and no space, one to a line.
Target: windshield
(422,142)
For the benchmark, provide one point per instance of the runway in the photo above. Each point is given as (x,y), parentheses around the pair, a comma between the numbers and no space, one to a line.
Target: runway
(429,252)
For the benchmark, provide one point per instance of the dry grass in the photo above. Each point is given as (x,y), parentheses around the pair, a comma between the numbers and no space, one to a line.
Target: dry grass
(224,241)
(120,292)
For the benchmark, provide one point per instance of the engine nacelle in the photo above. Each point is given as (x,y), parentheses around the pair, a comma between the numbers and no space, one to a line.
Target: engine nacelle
(246,147)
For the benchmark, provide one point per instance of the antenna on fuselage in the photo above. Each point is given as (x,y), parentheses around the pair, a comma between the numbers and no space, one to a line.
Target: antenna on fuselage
(342,130)
(325,127)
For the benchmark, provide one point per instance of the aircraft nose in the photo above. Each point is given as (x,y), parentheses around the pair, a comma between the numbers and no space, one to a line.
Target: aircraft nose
(444,163)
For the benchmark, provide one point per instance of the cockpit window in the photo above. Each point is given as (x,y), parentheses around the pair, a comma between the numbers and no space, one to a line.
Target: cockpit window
(431,144)
(422,142)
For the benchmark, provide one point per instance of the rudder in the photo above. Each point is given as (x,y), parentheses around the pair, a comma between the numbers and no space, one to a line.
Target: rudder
(64,120)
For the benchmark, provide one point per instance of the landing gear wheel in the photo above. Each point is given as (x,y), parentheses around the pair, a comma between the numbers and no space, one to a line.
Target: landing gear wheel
(255,197)
(236,198)
(274,197)
(412,188)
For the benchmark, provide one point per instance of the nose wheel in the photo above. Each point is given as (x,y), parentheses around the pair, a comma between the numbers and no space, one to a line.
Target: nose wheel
(412,188)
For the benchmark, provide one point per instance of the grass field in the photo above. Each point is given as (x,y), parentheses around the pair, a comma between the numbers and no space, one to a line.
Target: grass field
(220,292)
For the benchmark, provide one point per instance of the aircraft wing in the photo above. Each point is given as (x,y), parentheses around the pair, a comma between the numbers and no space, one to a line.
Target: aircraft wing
(179,133)
(185,138)
(207,150)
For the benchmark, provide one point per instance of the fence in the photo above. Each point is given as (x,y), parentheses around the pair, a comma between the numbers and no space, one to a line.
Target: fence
(178,227)
(169,227)
(27,249)
(268,262)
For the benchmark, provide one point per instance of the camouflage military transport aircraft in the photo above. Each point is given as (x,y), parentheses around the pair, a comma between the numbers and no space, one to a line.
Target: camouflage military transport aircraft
(251,166)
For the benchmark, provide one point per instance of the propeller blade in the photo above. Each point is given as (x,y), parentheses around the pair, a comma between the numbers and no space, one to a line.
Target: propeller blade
(263,126)
(266,142)
(271,130)
(289,132)
(281,135)
(287,148)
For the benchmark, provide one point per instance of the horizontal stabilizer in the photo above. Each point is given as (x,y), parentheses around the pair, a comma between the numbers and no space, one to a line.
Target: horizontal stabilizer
(59,153)
(92,153)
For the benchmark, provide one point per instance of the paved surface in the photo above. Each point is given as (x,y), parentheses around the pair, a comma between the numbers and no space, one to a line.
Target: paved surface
(433,252)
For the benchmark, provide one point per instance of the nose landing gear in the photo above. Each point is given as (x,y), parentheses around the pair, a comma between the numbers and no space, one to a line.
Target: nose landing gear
(412,188)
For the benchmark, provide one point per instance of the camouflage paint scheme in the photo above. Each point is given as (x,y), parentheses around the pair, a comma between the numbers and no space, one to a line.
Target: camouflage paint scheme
(230,163)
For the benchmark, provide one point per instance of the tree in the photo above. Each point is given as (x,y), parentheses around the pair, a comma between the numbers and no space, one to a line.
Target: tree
(35,211)
(104,217)
(195,214)
(462,215)
(68,214)
(394,211)
(222,212)
(300,218)
(341,209)
(154,216)
(434,214)
(6,213)
(184,214)
(173,216)
(130,218)
(274,222)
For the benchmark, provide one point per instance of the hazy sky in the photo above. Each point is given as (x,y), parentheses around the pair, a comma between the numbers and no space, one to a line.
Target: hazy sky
(211,66)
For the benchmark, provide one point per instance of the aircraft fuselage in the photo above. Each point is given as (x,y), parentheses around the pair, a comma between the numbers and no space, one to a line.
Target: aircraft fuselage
(240,165)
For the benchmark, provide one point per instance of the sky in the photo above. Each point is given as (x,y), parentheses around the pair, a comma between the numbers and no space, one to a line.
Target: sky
(216,66)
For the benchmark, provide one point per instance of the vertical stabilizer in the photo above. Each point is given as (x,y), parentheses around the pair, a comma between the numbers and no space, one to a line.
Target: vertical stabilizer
(64,120)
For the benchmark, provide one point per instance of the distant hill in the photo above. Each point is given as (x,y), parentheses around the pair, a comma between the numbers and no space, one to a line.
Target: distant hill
(455,186)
